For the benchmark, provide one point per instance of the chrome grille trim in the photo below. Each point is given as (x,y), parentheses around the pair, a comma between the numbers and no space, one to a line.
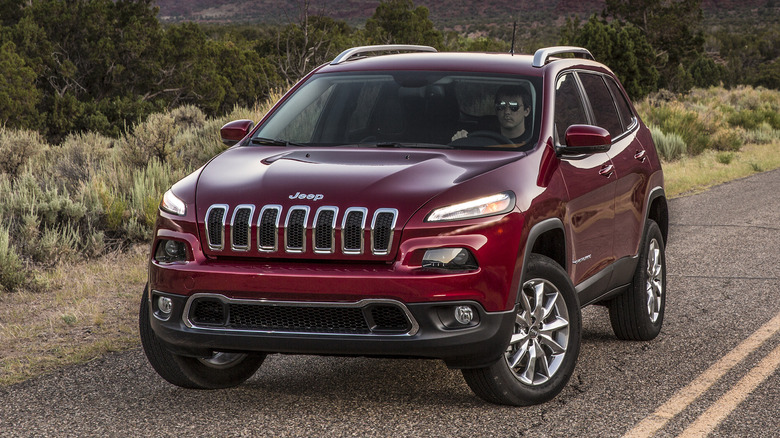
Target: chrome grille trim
(324,230)
(295,227)
(381,233)
(351,234)
(241,232)
(414,326)
(216,236)
(268,228)
(328,229)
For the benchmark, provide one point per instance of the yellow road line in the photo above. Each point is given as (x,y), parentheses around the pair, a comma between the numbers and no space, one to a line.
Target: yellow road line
(685,396)
(707,422)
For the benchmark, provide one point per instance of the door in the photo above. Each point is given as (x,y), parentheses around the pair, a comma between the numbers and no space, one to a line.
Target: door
(590,181)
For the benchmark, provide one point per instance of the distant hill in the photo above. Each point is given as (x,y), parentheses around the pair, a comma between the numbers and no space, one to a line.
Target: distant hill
(441,11)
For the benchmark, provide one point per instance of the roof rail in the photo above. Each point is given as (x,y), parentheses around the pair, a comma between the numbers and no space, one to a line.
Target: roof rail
(349,53)
(542,56)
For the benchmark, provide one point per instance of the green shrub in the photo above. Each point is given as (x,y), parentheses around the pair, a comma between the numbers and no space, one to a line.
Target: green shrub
(154,138)
(17,148)
(673,118)
(188,117)
(725,139)
(670,146)
(764,134)
(79,158)
(725,157)
(754,118)
(11,268)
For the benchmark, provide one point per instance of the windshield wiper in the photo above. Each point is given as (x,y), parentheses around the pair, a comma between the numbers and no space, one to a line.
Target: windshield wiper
(395,144)
(272,142)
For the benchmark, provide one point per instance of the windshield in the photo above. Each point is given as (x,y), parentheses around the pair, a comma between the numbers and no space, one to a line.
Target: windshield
(408,109)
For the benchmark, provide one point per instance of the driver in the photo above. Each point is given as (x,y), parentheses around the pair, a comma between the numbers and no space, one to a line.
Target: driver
(512,105)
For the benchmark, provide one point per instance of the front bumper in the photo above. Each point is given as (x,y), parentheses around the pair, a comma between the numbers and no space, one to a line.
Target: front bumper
(429,334)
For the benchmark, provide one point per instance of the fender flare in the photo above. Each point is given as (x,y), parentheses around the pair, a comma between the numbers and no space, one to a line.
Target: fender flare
(533,235)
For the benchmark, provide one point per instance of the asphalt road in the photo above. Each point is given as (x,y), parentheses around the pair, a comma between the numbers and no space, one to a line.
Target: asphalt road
(713,369)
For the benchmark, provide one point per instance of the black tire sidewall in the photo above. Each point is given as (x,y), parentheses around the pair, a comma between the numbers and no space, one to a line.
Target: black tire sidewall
(189,372)
(628,312)
(498,384)
(648,329)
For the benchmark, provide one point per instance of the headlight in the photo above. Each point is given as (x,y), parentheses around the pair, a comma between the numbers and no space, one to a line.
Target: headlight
(171,204)
(487,206)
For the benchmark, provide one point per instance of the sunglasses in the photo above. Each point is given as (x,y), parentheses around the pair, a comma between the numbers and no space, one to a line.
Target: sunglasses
(514,106)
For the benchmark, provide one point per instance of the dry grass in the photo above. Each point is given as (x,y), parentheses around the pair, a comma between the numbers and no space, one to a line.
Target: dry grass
(693,174)
(81,311)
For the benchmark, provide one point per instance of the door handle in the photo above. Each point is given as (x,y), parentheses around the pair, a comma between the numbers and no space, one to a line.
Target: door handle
(607,170)
(641,155)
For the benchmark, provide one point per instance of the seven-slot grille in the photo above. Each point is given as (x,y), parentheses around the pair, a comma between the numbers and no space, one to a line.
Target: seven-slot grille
(299,229)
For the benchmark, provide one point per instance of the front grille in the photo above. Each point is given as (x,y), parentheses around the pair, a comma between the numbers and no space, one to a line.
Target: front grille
(215,226)
(240,226)
(324,229)
(297,319)
(352,230)
(374,317)
(382,230)
(296,229)
(266,228)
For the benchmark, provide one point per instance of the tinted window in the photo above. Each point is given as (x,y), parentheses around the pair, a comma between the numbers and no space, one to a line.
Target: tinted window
(601,103)
(626,115)
(408,108)
(568,106)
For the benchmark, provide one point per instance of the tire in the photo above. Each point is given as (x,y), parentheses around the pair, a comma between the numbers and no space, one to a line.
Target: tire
(545,343)
(638,313)
(221,370)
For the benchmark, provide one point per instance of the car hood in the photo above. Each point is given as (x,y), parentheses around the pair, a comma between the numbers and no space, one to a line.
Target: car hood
(372,179)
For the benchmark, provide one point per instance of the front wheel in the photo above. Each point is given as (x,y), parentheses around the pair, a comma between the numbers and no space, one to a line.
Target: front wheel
(220,370)
(545,343)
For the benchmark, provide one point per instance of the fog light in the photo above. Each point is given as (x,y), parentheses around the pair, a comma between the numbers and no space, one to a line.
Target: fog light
(165,305)
(464,314)
(449,258)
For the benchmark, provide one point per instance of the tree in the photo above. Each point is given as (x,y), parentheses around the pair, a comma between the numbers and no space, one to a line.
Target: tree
(18,95)
(623,47)
(399,22)
(672,27)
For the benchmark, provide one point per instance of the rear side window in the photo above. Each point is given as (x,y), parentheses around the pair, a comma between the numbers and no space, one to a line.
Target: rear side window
(626,115)
(568,106)
(604,110)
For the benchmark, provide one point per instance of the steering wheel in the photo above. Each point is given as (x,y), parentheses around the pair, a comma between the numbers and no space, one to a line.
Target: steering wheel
(492,135)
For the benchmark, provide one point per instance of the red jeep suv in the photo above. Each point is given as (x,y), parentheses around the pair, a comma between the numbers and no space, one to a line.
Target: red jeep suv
(399,202)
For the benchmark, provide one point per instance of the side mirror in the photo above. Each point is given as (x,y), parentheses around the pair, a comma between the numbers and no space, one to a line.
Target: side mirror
(235,131)
(586,139)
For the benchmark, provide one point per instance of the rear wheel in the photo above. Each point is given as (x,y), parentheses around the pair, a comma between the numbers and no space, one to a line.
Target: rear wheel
(220,370)
(544,345)
(638,313)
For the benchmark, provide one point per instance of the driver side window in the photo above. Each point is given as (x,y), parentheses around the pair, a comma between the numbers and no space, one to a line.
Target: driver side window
(568,106)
